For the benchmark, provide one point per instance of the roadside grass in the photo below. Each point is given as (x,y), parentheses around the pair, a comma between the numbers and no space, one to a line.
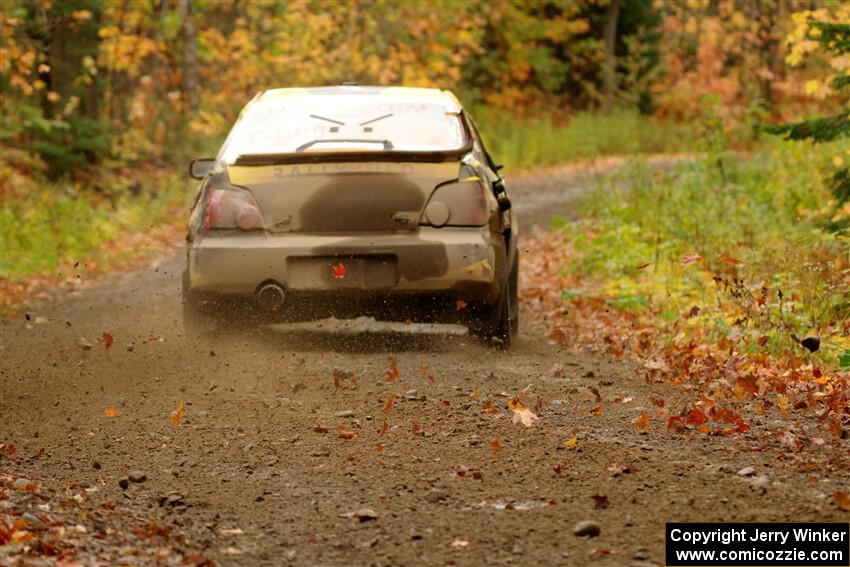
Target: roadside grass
(523,144)
(725,249)
(65,222)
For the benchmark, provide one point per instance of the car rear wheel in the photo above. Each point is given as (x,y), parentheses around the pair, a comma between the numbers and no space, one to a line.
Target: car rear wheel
(500,323)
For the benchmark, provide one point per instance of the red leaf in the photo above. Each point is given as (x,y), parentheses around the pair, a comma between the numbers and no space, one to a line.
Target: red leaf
(696,417)
(338,271)
(107,339)
(675,422)
(730,260)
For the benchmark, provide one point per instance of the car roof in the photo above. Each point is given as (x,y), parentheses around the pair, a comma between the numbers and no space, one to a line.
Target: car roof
(406,94)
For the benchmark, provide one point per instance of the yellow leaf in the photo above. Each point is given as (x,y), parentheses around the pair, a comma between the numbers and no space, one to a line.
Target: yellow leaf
(571,443)
(475,393)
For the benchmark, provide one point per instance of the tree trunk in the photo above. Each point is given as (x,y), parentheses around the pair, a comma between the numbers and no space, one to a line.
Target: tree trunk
(610,66)
(190,55)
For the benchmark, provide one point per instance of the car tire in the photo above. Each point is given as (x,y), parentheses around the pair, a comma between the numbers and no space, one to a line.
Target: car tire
(499,323)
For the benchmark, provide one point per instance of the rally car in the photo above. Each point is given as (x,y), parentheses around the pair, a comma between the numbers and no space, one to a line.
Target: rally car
(352,201)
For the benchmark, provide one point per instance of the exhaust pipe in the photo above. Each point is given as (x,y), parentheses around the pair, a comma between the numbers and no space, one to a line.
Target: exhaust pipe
(270,297)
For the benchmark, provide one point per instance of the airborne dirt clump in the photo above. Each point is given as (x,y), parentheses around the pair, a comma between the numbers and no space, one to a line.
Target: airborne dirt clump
(303,446)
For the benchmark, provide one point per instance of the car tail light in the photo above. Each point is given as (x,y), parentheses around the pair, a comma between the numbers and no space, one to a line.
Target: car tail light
(459,203)
(231,208)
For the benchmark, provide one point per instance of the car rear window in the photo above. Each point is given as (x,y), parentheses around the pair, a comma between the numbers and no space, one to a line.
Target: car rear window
(328,123)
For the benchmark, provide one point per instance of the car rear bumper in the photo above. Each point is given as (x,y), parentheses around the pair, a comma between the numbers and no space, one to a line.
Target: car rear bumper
(461,262)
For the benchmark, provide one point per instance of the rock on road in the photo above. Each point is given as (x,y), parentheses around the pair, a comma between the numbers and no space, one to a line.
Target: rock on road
(271,464)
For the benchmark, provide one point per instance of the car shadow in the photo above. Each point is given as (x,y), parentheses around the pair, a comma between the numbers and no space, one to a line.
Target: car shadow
(364,336)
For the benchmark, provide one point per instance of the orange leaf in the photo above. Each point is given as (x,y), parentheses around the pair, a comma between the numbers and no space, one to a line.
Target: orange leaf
(460,304)
(345,434)
(598,410)
(392,374)
(642,422)
(841,500)
(384,428)
(748,384)
(112,412)
(177,414)
(730,260)
(388,405)
(487,407)
(417,428)
(495,446)
(475,394)
(106,337)
(380,447)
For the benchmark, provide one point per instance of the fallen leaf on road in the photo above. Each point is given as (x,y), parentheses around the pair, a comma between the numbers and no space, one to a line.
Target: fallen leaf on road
(642,422)
(598,410)
(571,443)
(460,304)
(177,414)
(487,407)
(111,412)
(319,429)
(495,446)
(417,428)
(730,260)
(392,374)
(388,405)
(521,413)
(475,394)
(345,434)
(384,428)
(106,339)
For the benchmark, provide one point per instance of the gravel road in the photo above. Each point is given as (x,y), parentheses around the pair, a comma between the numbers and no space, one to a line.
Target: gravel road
(286,451)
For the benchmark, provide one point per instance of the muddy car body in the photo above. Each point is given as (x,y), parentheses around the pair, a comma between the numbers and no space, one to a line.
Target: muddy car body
(346,201)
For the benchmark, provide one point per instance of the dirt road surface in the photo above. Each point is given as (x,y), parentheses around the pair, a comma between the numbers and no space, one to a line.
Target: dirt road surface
(271,463)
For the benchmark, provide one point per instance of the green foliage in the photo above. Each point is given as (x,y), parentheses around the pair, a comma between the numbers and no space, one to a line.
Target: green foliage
(527,143)
(833,38)
(714,232)
(65,222)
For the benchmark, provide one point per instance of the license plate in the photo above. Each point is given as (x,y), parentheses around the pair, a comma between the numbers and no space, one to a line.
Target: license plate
(357,272)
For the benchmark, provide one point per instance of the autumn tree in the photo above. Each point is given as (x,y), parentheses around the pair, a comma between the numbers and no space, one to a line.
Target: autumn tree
(832,37)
